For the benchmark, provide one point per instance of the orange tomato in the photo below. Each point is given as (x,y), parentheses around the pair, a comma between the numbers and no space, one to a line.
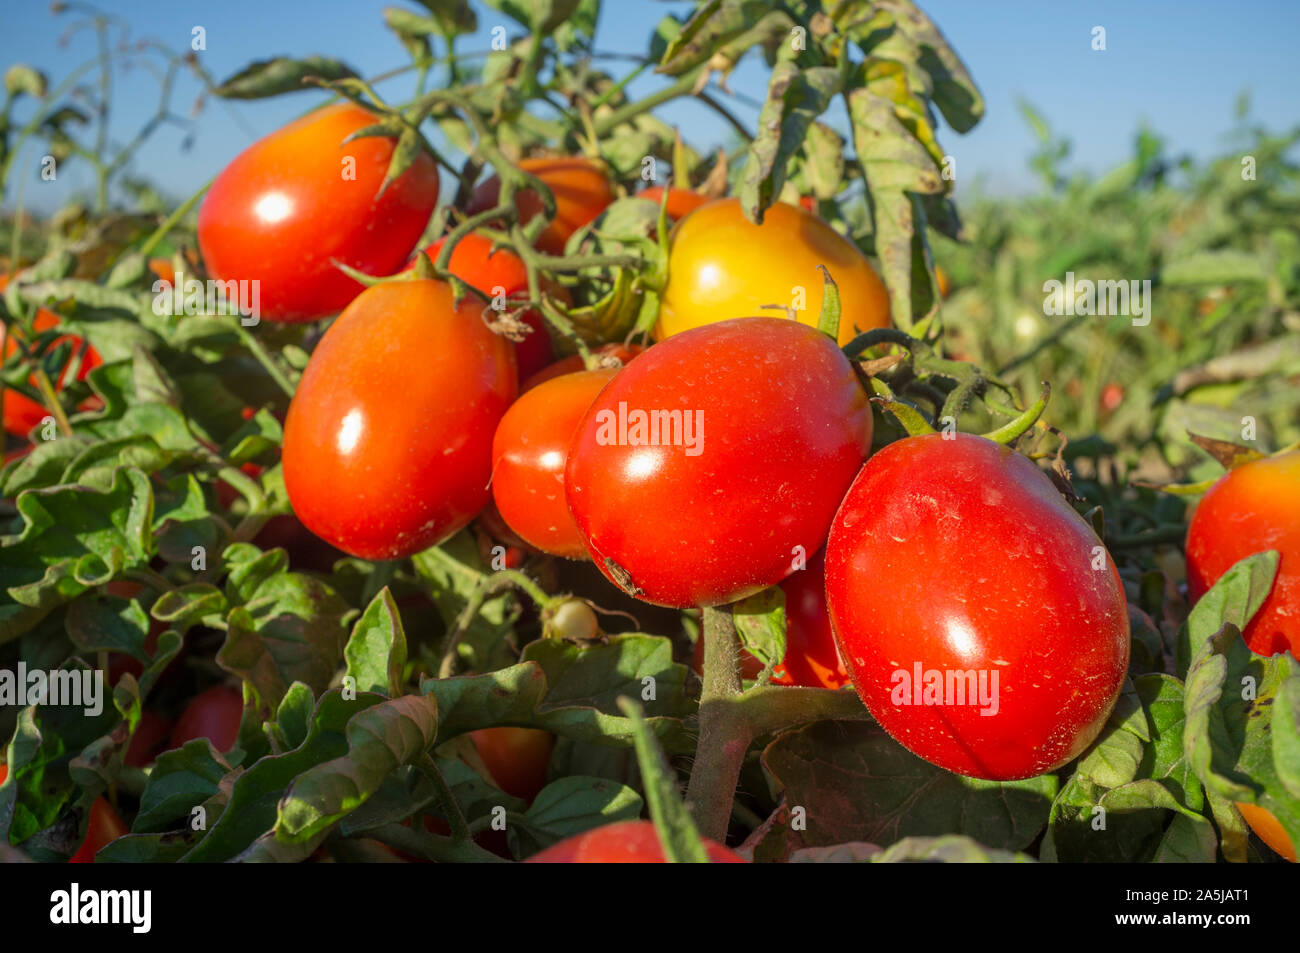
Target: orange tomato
(581,188)
(681,202)
(1267,829)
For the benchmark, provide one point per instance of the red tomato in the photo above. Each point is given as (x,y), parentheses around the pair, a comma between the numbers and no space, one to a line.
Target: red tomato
(21,413)
(573,363)
(148,738)
(517,758)
(300,197)
(163,268)
(529,452)
(581,188)
(105,826)
(811,657)
(958,558)
(1253,508)
(772,424)
(388,441)
(213,714)
(474,262)
(681,202)
(627,842)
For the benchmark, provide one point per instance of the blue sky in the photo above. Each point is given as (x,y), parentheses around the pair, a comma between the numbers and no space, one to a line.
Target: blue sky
(1175,65)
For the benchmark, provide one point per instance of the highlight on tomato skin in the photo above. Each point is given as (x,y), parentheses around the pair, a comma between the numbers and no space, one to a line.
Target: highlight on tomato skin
(955,568)
(281,212)
(626,842)
(1253,508)
(367,467)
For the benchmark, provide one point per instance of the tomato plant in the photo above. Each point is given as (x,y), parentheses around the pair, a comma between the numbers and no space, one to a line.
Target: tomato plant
(724,266)
(999,648)
(529,453)
(770,424)
(454,518)
(631,842)
(296,201)
(368,468)
(1252,508)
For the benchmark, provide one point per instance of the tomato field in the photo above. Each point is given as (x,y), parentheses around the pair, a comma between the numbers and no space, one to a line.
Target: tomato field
(479,470)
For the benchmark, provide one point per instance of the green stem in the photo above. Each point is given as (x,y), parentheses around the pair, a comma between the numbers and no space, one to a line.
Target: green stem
(684,84)
(173,219)
(724,737)
(265,358)
(455,819)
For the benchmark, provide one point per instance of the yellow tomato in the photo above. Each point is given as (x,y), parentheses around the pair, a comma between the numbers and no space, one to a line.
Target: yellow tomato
(721,266)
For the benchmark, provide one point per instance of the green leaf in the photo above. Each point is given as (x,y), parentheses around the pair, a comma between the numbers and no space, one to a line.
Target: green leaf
(72,538)
(570,806)
(376,650)
(1233,600)
(855,783)
(292,718)
(1224,266)
(795,98)
(181,780)
(291,629)
(264,78)
(396,732)
(761,625)
(252,810)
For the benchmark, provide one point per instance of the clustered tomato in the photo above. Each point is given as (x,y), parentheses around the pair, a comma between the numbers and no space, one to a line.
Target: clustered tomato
(581,188)
(529,453)
(715,458)
(1253,508)
(627,842)
(388,441)
(721,265)
(296,201)
(982,621)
